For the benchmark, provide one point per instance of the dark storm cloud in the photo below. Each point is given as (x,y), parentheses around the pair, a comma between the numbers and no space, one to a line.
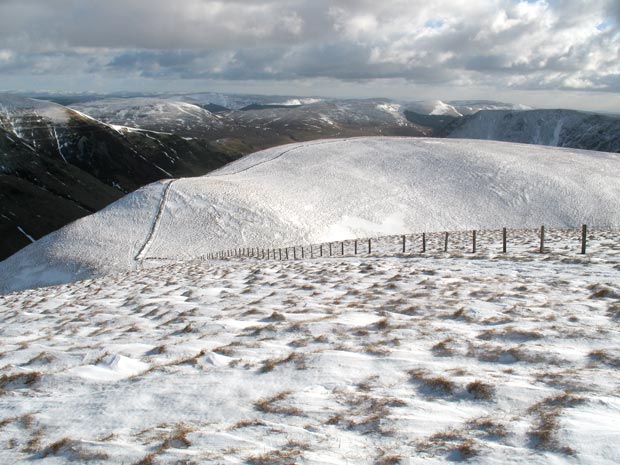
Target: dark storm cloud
(555,44)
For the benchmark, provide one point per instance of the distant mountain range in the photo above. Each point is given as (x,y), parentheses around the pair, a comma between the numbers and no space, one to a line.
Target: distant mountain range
(59,163)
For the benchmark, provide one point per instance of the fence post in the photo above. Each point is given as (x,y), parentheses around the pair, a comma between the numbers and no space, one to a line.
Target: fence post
(542,239)
(584,238)
(294,253)
(423,242)
(504,240)
(286,250)
(355,247)
(342,248)
(473,238)
(404,244)
(330,249)
(445,243)
(280,253)
(369,246)
(302,252)
(321,249)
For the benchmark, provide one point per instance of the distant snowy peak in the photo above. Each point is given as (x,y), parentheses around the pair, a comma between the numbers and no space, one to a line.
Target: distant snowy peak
(297,102)
(458,108)
(469,107)
(433,107)
(150,113)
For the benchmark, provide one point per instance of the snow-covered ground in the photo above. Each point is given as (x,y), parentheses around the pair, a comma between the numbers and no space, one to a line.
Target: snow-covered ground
(411,359)
(330,190)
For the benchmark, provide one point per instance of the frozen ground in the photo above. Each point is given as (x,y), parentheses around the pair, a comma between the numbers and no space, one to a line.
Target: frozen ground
(330,190)
(387,359)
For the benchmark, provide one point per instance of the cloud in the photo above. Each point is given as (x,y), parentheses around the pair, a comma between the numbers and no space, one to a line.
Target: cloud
(544,44)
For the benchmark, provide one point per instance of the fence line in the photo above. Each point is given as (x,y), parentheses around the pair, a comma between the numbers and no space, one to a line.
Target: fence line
(270,253)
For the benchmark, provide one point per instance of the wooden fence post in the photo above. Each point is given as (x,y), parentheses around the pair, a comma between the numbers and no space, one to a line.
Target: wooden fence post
(330,249)
(280,253)
(286,250)
(302,252)
(369,246)
(294,253)
(404,244)
(342,248)
(321,249)
(504,240)
(473,239)
(542,239)
(423,242)
(584,238)
(445,243)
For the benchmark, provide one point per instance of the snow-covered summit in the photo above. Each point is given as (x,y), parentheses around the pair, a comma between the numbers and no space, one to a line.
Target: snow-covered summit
(458,108)
(330,190)
(150,113)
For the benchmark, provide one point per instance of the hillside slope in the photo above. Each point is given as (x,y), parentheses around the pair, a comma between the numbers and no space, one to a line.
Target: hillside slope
(57,165)
(330,190)
(558,128)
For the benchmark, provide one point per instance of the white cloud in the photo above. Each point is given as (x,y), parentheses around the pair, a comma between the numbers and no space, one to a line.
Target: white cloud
(555,44)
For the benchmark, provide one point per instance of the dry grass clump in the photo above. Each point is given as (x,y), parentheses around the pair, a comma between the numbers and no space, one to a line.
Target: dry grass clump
(603,356)
(438,385)
(490,427)
(510,333)
(480,390)
(248,424)
(275,317)
(71,450)
(289,454)
(602,291)
(503,354)
(298,359)
(443,348)
(19,380)
(546,424)
(450,442)
(272,405)
(388,459)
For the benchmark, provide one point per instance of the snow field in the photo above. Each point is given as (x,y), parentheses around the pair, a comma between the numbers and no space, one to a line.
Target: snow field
(385,359)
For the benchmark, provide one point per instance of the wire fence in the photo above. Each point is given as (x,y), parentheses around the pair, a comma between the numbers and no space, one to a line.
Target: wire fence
(576,241)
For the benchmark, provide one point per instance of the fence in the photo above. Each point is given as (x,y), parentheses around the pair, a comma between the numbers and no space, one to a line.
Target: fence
(497,241)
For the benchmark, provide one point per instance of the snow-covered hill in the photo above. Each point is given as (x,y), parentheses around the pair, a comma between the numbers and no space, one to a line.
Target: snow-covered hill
(459,108)
(152,113)
(560,128)
(330,190)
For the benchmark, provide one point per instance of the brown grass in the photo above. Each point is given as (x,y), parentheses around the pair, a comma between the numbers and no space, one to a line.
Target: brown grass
(546,424)
(19,380)
(480,390)
(432,384)
(298,359)
(271,405)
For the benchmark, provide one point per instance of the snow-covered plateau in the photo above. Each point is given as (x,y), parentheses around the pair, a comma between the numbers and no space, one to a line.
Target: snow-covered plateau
(329,190)
(390,359)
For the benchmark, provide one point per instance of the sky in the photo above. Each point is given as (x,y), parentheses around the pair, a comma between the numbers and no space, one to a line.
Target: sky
(545,53)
